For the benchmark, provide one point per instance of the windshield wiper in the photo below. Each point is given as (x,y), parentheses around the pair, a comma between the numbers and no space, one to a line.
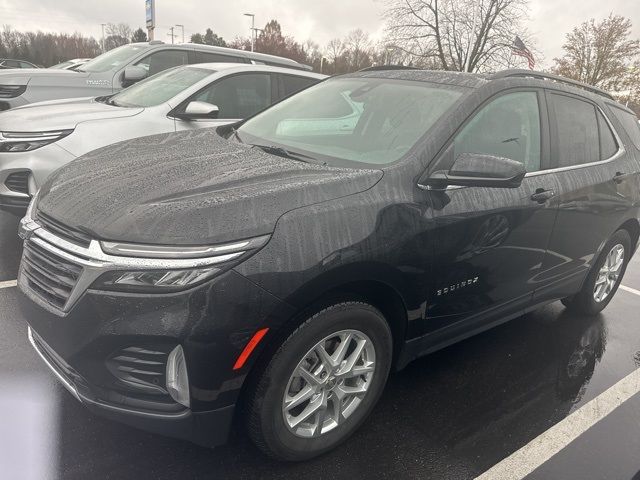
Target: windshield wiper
(283,152)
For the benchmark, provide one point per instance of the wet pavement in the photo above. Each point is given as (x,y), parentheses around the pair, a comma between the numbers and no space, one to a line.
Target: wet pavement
(453,414)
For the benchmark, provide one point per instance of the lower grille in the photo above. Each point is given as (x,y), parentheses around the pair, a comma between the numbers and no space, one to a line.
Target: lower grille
(14,203)
(18,182)
(49,276)
(142,369)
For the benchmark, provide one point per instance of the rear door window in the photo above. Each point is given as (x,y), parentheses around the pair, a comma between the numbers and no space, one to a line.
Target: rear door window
(576,124)
(507,127)
(608,144)
(206,57)
(162,60)
(630,124)
(293,83)
(239,96)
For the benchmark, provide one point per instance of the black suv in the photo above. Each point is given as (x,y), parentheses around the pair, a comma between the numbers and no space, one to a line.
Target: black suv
(274,272)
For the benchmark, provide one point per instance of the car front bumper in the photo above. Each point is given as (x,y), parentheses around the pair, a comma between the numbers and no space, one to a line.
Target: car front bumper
(37,165)
(212,322)
(208,428)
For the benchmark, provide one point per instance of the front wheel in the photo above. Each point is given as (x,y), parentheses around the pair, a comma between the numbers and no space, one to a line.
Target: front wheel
(604,278)
(322,382)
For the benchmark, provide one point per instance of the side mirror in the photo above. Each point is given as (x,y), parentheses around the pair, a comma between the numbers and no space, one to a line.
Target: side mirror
(198,110)
(477,170)
(134,73)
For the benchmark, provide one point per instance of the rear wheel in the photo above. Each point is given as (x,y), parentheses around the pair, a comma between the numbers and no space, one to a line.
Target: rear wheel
(322,382)
(604,278)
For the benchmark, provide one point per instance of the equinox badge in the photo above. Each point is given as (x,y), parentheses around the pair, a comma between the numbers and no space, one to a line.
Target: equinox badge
(457,286)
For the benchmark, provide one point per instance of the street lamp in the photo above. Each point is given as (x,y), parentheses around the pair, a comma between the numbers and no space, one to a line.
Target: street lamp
(253,26)
(103,25)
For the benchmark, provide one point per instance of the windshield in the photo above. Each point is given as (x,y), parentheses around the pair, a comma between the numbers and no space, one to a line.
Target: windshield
(62,65)
(363,120)
(160,88)
(112,59)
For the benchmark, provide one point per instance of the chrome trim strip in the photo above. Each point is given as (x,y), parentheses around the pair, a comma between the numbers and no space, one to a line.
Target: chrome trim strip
(95,261)
(65,383)
(621,151)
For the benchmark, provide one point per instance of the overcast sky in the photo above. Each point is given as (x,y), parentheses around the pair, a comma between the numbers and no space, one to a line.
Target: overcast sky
(320,20)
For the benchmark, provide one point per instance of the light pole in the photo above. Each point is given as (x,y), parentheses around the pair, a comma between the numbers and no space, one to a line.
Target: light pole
(172,35)
(182,27)
(253,26)
(322,59)
(103,25)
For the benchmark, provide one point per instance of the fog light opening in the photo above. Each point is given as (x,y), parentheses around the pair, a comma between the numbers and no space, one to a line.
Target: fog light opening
(177,378)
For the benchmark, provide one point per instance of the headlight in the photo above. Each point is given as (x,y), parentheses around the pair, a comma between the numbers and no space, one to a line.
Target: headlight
(155,280)
(27,141)
(167,268)
(12,91)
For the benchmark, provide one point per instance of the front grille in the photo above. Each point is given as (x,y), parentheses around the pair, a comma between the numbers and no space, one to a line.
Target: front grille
(49,276)
(70,234)
(18,182)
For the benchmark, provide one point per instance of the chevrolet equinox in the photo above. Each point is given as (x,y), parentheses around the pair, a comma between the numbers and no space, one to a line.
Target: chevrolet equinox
(271,273)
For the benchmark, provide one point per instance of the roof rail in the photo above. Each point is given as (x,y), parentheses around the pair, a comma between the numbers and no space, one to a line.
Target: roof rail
(551,77)
(379,68)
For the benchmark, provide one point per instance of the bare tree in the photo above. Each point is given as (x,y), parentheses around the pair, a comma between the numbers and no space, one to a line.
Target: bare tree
(358,49)
(463,35)
(600,53)
(117,35)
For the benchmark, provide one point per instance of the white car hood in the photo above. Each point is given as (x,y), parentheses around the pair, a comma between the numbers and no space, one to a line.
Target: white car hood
(60,115)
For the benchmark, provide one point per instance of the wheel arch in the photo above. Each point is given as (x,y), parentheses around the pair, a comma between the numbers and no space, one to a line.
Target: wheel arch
(375,292)
(633,227)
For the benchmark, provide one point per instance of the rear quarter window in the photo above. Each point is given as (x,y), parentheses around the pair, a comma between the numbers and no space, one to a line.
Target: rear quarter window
(629,122)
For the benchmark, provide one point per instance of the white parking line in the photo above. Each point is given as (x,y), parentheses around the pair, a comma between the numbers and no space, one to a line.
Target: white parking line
(8,284)
(630,290)
(524,461)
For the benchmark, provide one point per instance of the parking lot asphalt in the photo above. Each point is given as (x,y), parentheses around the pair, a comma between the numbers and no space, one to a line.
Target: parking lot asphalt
(454,414)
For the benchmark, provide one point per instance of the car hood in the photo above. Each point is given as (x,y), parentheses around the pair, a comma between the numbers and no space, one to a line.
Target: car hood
(189,188)
(22,76)
(60,114)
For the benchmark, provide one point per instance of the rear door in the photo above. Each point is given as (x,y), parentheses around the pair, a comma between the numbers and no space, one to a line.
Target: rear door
(593,196)
(489,243)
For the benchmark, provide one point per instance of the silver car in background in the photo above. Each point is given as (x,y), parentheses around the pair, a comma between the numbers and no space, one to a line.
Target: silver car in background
(71,64)
(37,139)
(119,68)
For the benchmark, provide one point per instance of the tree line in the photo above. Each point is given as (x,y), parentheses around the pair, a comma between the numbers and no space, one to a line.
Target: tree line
(460,35)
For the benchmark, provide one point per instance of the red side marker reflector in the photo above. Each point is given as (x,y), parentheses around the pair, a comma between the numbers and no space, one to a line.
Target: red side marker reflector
(253,343)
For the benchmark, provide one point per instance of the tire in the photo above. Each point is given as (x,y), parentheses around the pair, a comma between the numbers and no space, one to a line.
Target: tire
(270,421)
(585,301)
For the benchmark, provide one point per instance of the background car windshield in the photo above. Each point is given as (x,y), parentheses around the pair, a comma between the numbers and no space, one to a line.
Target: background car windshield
(370,121)
(160,88)
(112,59)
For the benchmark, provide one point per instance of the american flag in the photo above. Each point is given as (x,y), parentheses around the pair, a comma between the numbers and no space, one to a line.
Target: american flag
(520,49)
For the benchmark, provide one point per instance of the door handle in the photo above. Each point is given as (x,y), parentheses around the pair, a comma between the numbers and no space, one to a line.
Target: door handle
(620,177)
(541,195)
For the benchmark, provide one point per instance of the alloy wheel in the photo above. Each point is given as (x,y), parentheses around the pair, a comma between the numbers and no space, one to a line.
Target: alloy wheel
(329,383)
(609,274)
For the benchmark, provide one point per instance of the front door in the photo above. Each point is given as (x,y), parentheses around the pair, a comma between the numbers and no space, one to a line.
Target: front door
(489,243)
(236,96)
